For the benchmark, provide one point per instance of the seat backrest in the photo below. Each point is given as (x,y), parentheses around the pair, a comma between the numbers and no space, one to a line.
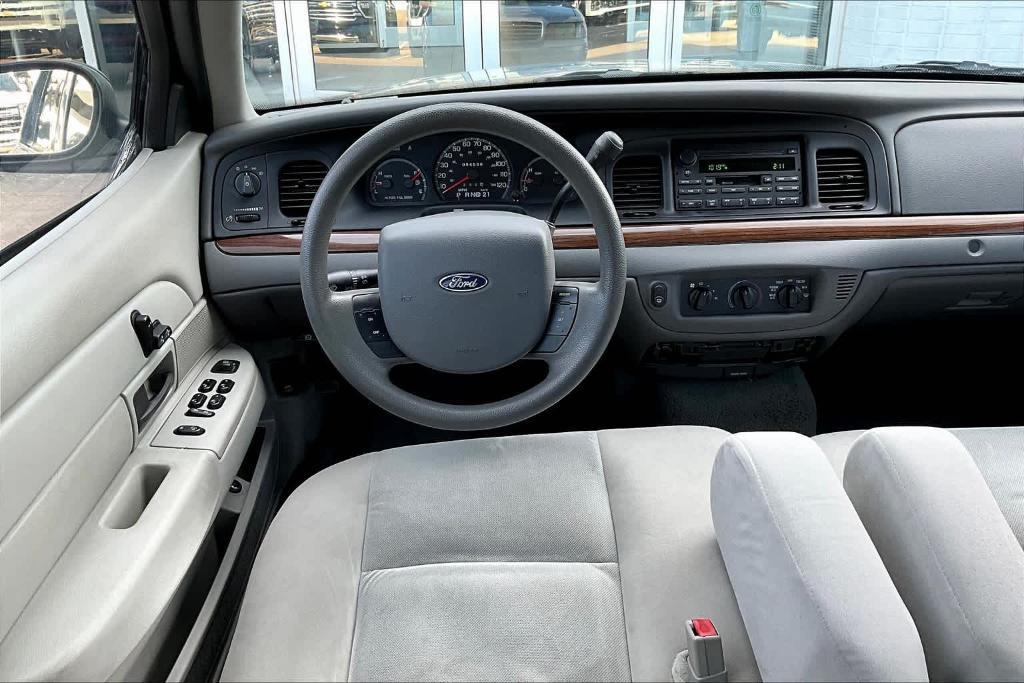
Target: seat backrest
(948,547)
(815,597)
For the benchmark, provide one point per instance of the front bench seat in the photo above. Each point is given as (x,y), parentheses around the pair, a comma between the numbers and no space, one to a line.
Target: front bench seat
(563,556)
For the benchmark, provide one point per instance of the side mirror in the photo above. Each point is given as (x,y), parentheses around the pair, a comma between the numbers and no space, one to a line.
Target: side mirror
(56,109)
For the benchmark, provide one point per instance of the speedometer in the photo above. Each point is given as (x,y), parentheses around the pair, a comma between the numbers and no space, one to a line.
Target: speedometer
(472,170)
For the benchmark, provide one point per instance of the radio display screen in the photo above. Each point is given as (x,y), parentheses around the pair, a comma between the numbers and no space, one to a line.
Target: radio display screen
(747,164)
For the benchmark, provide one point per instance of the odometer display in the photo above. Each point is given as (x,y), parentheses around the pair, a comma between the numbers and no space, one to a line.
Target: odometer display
(472,170)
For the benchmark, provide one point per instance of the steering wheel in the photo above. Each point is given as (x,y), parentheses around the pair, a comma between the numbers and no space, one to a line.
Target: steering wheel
(466,291)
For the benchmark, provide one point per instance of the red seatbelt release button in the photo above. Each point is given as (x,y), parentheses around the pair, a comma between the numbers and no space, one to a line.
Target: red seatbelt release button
(703,660)
(703,628)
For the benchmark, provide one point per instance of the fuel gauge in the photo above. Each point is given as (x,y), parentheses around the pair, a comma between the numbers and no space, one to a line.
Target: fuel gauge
(397,181)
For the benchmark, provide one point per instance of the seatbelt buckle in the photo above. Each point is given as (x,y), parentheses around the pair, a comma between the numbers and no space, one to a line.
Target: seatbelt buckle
(703,660)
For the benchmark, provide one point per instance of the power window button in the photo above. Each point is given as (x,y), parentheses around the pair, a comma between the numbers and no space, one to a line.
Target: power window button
(225,386)
(207,385)
(225,367)
(197,401)
(189,430)
(216,401)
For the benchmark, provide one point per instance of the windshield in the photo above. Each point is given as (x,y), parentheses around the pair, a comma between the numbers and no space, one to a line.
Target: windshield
(306,51)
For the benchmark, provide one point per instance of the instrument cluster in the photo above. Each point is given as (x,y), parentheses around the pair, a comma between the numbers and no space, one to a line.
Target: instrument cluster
(462,169)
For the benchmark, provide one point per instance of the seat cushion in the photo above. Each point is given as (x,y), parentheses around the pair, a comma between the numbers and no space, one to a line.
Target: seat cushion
(566,556)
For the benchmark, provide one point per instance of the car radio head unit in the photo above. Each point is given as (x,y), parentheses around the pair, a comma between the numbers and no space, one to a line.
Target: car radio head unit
(751,176)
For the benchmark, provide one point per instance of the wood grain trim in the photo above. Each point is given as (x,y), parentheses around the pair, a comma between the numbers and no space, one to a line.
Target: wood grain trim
(665,235)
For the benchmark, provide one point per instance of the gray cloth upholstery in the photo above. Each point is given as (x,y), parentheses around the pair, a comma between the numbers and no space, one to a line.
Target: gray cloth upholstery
(566,556)
(947,545)
(815,597)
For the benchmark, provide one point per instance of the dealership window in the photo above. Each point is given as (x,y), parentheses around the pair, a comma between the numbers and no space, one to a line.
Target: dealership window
(366,45)
(766,31)
(547,32)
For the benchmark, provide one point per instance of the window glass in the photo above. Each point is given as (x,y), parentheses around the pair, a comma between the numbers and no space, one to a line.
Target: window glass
(374,48)
(261,54)
(791,32)
(363,45)
(48,117)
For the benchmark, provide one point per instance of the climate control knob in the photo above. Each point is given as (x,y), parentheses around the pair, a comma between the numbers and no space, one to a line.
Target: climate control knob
(699,298)
(789,296)
(744,295)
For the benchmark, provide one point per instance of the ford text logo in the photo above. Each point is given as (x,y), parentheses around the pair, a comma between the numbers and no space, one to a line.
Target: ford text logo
(463,282)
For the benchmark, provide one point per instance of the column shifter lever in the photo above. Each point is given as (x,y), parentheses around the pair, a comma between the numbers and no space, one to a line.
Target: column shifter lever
(605,150)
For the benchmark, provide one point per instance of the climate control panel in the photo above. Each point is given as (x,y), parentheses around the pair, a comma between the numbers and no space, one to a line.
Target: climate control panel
(744,296)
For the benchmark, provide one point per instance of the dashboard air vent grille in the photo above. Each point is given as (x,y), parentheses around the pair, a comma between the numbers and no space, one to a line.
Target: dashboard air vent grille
(637,185)
(297,184)
(846,284)
(842,177)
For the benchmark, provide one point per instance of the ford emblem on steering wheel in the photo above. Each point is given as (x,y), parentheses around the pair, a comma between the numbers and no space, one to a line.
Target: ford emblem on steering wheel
(463,282)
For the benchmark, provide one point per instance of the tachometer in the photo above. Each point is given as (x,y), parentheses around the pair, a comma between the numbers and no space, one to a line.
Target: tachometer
(397,181)
(540,181)
(472,170)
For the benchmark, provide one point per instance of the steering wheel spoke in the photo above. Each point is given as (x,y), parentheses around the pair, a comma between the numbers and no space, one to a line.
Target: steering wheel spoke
(575,309)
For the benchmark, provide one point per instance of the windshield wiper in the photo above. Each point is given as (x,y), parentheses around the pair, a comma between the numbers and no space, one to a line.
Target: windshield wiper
(940,66)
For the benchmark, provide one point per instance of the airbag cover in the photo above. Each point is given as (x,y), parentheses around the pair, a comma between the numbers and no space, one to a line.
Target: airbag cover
(466,292)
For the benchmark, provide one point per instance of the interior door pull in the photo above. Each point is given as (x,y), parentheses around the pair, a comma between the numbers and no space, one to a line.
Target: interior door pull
(152,334)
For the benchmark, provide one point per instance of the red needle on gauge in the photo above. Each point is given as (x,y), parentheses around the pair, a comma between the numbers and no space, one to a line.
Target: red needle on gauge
(455,184)
(415,175)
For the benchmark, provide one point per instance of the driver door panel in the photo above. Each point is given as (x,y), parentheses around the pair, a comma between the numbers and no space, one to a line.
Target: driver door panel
(99,528)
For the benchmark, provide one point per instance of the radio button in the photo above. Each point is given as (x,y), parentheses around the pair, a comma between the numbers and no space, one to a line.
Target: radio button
(734,203)
(711,190)
(733,190)
(759,188)
(787,201)
(787,188)
(787,178)
(690,181)
(709,181)
(692,190)
(766,179)
(760,201)
(690,204)
(711,203)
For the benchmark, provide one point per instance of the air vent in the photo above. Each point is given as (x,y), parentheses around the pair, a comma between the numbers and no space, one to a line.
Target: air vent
(636,185)
(846,284)
(297,184)
(842,178)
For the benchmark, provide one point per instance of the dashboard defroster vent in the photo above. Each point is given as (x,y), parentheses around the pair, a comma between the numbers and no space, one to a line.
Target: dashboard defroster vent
(637,185)
(846,284)
(842,178)
(297,183)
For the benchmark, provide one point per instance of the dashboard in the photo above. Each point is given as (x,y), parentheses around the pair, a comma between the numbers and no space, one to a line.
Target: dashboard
(762,219)
(717,167)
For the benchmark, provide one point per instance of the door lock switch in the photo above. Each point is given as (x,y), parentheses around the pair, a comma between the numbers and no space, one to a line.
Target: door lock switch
(189,430)
(199,412)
